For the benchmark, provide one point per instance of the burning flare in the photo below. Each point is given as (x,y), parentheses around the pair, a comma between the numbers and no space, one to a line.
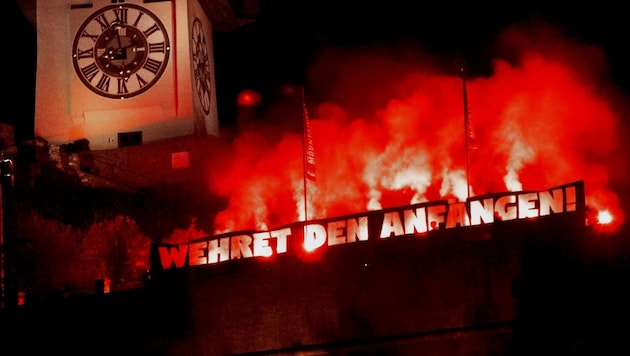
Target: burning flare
(387,128)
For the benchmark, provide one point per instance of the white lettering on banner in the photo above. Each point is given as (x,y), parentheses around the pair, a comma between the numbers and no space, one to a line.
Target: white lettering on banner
(335,233)
(481,211)
(415,220)
(224,249)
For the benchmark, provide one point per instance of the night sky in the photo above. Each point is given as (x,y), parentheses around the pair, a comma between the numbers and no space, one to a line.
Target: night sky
(290,34)
(18,98)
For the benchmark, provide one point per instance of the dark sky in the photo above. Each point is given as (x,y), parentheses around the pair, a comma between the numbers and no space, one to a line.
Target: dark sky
(289,34)
(298,28)
(18,97)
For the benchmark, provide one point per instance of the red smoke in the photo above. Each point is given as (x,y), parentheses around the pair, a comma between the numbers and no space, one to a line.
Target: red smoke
(388,130)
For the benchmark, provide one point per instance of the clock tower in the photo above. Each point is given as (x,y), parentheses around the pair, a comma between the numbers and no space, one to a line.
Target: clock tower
(120,72)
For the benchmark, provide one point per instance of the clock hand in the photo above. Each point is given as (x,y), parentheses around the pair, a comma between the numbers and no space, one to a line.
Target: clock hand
(121,49)
(121,52)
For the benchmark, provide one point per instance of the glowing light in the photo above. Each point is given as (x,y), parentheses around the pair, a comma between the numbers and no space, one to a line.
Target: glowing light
(604,217)
(248,98)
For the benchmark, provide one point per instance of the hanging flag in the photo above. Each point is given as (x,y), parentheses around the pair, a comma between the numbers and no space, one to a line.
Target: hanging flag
(468,132)
(309,149)
(471,139)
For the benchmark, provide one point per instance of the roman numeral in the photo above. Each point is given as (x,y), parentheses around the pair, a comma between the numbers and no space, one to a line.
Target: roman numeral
(86,34)
(121,15)
(152,65)
(149,31)
(137,21)
(102,20)
(103,83)
(122,86)
(89,71)
(88,53)
(141,81)
(157,47)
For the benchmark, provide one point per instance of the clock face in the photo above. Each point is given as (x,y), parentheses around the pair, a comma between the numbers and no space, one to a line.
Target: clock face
(120,51)
(201,65)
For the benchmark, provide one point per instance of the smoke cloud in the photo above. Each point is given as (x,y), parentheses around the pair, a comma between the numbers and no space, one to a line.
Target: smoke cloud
(388,130)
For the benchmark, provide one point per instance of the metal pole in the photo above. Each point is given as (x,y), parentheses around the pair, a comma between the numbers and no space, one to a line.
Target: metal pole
(466,130)
(1,249)
(304,150)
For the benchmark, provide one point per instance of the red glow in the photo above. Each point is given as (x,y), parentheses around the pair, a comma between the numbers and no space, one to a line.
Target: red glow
(314,237)
(248,98)
(388,130)
(604,221)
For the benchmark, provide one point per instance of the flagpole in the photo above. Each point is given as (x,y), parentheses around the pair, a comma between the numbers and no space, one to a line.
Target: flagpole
(466,129)
(308,153)
(304,152)
(2,282)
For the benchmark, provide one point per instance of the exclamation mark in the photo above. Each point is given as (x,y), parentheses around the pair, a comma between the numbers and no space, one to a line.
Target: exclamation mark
(571,200)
